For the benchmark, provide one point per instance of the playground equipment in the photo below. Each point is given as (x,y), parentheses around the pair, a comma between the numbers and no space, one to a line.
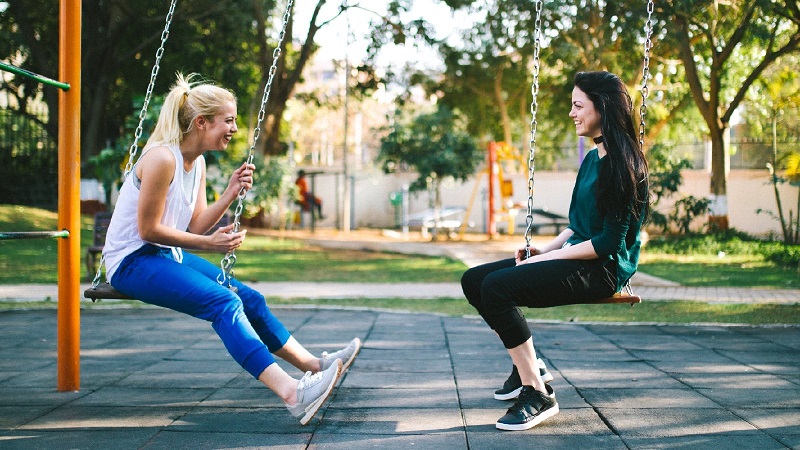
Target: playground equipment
(627,295)
(98,291)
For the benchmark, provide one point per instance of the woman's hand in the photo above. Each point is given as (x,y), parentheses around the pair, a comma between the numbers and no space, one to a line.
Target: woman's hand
(242,178)
(223,241)
(522,253)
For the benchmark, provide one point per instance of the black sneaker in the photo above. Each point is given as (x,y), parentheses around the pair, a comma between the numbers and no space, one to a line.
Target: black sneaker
(513,384)
(531,409)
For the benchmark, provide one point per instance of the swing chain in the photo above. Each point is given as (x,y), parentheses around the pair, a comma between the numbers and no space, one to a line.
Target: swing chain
(149,94)
(142,114)
(533,124)
(227,262)
(648,44)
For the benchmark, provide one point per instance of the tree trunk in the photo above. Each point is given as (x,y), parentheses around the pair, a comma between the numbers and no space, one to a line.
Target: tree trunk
(718,209)
(285,80)
(499,98)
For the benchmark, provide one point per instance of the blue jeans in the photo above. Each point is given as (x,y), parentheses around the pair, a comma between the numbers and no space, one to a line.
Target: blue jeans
(249,331)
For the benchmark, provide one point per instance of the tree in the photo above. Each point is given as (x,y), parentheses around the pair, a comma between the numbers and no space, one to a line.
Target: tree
(434,144)
(724,47)
(776,100)
(231,43)
(488,71)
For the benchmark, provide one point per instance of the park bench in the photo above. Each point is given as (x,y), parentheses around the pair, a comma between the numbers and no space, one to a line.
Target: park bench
(449,219)
(99,229)
(548,219)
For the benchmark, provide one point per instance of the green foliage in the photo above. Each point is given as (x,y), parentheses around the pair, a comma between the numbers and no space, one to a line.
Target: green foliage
(436,145)
(665,181)
(686,210)
(273,182)
(730,242)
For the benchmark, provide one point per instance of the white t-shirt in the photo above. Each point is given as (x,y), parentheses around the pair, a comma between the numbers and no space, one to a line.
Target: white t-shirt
(123,238)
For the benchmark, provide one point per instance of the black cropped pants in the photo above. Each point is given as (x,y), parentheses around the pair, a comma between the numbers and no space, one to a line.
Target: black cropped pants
(498,290)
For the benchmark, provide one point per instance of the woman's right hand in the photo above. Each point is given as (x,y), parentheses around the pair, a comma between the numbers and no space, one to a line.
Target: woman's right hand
(522,253)
(223,241)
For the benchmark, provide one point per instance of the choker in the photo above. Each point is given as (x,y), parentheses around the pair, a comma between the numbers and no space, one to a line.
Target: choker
(598,140)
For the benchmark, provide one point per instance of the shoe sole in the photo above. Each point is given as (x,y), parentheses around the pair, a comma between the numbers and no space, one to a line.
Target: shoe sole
(346,364)
(314,407)
(530,424)
(509,396)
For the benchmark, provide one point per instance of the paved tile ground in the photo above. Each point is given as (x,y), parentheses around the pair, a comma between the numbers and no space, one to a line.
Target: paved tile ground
(152,378)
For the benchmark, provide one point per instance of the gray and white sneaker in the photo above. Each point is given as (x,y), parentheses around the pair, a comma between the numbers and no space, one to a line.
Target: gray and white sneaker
(347,355)
(312,391)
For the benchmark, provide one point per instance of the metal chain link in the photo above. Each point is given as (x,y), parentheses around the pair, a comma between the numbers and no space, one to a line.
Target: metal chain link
(149,94)
(132,150)
(648,44)
(229,260)
(534,110)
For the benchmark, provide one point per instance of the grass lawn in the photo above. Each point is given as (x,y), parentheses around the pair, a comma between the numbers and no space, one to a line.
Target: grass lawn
(676,312)
(270,259)
(712,270)
(259,259)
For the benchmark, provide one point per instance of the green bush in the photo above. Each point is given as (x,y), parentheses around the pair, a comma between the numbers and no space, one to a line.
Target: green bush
(787,256)
(730,242)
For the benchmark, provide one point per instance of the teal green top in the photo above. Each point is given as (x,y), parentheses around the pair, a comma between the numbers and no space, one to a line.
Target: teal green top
(612,239)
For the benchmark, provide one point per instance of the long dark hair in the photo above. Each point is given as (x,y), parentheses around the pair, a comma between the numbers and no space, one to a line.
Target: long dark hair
(622,183)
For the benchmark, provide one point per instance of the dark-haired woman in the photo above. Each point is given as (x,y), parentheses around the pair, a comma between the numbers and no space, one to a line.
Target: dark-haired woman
(590,260)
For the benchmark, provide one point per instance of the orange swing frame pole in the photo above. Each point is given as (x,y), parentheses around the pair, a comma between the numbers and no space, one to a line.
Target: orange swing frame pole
(69,176)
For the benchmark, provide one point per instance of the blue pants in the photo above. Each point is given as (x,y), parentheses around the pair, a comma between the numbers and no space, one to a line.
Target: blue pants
(249,331)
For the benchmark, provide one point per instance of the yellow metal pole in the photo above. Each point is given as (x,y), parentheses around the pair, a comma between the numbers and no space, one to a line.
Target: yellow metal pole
(69,178)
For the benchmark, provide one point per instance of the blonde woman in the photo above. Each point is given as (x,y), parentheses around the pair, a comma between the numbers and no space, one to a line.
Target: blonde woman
(162,210)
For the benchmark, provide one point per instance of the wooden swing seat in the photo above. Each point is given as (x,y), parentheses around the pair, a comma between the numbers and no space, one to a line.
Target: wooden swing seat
(619,297)
(105,291)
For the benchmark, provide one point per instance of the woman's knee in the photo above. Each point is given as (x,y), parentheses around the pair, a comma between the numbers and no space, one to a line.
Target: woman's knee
(471,288)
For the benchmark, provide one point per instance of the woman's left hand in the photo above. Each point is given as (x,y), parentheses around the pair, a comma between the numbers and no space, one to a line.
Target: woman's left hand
(242,178)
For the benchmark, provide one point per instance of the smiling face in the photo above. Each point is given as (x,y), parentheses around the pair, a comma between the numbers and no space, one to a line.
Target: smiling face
(584,114)
(218,132)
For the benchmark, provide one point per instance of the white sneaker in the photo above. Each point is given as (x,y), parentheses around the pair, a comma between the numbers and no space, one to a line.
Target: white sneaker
(312,391)
(347,355)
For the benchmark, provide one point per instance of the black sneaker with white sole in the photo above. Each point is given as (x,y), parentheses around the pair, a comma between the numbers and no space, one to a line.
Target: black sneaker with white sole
(513,384)
(531,408)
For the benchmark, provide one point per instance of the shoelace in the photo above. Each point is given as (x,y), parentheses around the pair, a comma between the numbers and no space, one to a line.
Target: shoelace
(309,378)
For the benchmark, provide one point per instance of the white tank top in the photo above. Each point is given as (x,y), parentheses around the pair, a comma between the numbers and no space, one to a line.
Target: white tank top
(123,238)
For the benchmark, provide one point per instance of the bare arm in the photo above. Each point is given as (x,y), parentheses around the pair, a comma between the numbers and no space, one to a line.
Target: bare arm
(156,169)
(205,216)
(584,250)
(554,244)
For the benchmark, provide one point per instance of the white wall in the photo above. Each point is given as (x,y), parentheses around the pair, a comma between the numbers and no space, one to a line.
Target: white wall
(748,190)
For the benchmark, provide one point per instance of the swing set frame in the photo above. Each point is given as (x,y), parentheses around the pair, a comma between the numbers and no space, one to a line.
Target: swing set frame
(69,219)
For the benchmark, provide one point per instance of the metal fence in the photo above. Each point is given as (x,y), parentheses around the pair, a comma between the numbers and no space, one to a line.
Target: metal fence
(28,158)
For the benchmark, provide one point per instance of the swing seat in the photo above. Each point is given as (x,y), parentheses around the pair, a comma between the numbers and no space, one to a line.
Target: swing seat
(619,297)
(105,291)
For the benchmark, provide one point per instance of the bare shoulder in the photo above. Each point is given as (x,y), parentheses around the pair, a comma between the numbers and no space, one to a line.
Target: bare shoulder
(158,158)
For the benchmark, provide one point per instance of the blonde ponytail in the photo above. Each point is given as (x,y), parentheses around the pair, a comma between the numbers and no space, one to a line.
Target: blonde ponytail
(186,101)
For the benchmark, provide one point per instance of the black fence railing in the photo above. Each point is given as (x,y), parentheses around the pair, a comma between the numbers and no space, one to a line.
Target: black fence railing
(28,159)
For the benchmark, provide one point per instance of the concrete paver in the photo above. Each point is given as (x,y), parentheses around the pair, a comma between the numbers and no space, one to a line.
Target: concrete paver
(153,378)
